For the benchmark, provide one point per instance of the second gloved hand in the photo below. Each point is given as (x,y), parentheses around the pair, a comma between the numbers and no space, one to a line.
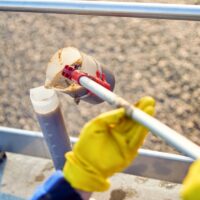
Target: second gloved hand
(107,144)
(191,184)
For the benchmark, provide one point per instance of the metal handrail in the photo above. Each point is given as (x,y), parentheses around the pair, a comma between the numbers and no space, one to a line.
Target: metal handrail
(33,144)
(103,8)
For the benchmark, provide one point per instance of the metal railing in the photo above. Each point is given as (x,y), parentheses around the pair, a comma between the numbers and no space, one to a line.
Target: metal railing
(105,8)
(33,144)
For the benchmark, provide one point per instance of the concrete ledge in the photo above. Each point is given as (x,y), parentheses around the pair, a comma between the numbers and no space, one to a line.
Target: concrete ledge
(20,175)
(129,187)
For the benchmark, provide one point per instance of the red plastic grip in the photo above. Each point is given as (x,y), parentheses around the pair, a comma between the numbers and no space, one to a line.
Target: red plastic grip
(74,74)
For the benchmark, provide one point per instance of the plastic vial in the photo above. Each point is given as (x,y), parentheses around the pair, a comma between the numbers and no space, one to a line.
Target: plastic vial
(49,115)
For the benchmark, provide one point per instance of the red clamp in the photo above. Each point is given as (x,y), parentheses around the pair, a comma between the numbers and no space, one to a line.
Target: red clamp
(74,74)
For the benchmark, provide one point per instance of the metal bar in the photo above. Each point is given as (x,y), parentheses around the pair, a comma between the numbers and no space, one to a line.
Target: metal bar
(173,138)
(102,8)
(152,164)
(160,165)
(23,142)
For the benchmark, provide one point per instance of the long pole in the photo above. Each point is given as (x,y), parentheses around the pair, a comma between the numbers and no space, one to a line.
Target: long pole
(102,8)
(173,138)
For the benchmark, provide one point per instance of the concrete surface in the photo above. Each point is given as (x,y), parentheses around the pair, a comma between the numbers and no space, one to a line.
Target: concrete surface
(20,175)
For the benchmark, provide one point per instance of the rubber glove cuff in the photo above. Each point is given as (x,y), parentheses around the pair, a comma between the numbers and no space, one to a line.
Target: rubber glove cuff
(84,178)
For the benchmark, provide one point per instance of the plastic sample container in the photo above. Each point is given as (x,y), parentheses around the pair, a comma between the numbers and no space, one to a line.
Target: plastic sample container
(49,115)
(81,61)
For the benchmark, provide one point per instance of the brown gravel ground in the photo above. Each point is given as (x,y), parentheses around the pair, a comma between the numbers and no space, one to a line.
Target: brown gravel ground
(149,57)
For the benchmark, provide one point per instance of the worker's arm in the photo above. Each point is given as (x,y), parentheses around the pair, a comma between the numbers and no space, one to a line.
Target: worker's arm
(191,184)
(56,187)
(107,144)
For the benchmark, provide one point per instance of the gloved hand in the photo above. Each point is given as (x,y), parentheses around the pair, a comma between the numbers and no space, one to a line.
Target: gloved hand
(191,184)
(107,144)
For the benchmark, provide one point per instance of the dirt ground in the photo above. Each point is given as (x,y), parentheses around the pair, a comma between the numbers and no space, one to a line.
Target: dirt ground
(148,57)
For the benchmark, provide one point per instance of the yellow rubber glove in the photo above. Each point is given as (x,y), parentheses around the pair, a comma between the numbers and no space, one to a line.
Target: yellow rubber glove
(107,144)
(191,184)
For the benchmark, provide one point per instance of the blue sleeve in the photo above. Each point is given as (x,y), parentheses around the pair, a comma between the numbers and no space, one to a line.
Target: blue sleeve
(56,188)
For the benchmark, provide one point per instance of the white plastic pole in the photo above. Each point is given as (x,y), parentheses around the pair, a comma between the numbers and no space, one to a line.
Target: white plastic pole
(173,138)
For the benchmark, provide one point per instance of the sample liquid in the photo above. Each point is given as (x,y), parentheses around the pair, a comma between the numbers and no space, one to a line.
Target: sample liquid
(55,134)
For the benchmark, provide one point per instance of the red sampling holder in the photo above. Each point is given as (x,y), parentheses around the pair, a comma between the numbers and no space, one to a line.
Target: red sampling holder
(75,75)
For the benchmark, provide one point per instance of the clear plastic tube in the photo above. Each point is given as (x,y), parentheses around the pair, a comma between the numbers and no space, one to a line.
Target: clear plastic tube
(47,107)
